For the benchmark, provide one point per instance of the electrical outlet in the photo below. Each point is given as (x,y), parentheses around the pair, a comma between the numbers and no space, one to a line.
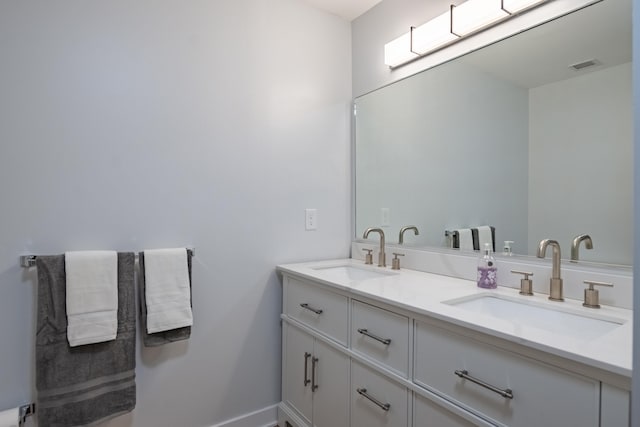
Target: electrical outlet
(311,219)
(385,217)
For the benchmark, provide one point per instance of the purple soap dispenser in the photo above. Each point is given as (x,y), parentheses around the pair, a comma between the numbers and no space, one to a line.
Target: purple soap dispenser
(487,270)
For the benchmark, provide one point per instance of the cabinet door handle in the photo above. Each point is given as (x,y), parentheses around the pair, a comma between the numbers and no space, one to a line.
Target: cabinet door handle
(506,393)
(306,363)
(385,341)
(315,310)
(383,406)
(314,364)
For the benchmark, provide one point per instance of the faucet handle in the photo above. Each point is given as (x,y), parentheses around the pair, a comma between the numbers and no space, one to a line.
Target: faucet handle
(395,262)
(368,258)
(591,295)
(526,284)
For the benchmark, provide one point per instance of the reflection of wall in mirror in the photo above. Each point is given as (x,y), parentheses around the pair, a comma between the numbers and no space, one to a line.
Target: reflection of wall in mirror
(438,149)
(581,163)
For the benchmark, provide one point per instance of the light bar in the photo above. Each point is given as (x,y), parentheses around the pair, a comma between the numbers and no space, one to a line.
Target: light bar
(458,22)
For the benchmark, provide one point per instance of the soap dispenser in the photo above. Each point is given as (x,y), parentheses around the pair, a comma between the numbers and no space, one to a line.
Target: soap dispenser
(506,250)
(487,270)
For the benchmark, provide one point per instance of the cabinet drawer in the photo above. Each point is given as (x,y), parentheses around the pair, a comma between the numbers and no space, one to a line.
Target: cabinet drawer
(381,335)
(430,414)
(542,395)
(370,395)
(318,308)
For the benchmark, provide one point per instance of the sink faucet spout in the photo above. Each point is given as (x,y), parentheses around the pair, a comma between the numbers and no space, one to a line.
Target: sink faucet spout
(405,228)
(575,245)
(382,261)
(555,291)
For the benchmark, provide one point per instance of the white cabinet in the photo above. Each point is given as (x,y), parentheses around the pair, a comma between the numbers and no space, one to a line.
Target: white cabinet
(500,385)
(351,361)
(427,413)
(375,400)
(315,379)
(381,335)
(615,407)
(323,310)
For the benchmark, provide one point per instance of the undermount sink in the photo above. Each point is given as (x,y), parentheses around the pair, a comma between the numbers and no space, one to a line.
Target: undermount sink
(350,273)
(558,320)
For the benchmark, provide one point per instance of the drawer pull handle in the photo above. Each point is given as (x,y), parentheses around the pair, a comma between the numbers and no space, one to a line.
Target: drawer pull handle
(385,341)
(314,363)
(315,310)
(383,406)
(506,393)
(306,364)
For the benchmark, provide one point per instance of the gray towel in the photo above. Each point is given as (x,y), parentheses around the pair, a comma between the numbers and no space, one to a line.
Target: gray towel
(84,385)
(164,337)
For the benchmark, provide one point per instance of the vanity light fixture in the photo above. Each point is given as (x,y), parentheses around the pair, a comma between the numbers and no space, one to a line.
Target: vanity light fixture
(459,21)
(473,15)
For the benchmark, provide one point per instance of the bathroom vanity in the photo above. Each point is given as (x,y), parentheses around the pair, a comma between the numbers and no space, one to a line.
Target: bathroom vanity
(365,346)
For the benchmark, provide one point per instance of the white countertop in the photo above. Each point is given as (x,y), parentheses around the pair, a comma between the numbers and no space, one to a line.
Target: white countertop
(424,293)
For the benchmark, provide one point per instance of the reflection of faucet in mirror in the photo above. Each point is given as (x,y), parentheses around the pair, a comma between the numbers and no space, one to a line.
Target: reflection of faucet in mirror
(555,290)
(382,262)
(575,246)
(405,228)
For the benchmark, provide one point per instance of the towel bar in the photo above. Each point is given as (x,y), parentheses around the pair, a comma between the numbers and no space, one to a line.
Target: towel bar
(25,411)
(27,261)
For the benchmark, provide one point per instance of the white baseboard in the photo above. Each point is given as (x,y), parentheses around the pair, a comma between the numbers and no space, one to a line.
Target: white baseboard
(265,417)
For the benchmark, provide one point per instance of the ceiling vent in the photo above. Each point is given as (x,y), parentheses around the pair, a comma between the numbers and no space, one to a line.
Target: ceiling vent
(585,64)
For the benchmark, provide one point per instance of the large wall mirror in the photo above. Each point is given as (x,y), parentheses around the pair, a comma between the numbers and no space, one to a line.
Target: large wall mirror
(531,135)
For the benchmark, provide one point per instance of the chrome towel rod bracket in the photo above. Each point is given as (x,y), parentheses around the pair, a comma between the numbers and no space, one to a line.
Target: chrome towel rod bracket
(27,261)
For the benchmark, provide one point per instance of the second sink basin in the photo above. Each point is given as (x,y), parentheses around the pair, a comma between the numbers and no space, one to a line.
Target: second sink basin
(350,273)
(537,315)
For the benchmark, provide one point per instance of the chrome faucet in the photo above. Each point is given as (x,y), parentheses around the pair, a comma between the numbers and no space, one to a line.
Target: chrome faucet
(405,228)
(575,246)
(382,262)
(555,291)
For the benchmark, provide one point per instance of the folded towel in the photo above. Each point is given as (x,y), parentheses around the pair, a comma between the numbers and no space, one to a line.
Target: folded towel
(167,291)
(92,296)
(80,386)
(465,239)
(164,337)
(485,234)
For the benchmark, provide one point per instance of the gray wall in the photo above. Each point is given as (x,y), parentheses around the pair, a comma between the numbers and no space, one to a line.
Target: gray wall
(131,125)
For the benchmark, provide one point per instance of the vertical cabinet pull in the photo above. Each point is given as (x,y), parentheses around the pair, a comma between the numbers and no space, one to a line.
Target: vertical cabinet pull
(385,341)
(306,364)
(314,364)
(307,307)
(507,393)
(383,406)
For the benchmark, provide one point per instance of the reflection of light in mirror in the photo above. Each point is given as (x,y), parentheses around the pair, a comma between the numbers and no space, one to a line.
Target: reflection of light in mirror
(473,15)
(513,6)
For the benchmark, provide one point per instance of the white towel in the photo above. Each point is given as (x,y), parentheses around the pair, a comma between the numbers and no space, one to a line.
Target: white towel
(168,295)
(91,296)
(485,236)
(465,238)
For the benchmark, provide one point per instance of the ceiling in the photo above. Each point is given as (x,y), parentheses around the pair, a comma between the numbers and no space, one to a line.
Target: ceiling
(601,32)
(347,9)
